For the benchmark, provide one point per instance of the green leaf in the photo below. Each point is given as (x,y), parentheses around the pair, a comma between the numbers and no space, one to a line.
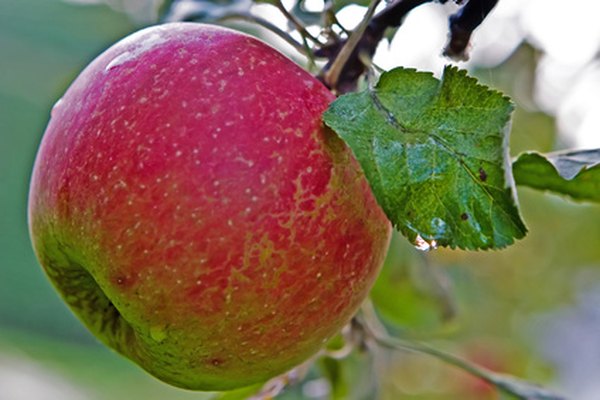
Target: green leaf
(572,173)
(436,156)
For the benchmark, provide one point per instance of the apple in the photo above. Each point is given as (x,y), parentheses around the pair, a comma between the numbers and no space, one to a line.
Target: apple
(194,213)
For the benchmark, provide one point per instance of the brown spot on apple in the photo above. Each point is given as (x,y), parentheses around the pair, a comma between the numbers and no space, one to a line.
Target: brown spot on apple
(216,362)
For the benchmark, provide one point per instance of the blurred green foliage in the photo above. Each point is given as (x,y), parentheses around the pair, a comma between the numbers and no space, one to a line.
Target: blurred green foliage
(44,44)
(486,307)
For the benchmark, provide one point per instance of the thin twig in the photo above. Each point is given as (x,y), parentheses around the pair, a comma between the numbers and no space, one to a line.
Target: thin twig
(297,24)
(508,384)
(392,16)
(463,23)
(267,25)
(440,287)
(339,24)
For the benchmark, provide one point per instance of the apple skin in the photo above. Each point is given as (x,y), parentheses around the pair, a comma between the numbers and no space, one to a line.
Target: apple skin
(194,213)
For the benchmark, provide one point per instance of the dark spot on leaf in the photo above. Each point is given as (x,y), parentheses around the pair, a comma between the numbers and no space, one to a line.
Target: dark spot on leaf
(417,150)
(216,362)
(482,174)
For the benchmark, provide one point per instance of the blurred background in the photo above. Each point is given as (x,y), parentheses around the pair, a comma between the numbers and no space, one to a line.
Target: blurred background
(532,310)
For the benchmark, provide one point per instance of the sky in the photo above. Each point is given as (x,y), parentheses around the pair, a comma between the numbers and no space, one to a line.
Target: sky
(567,80)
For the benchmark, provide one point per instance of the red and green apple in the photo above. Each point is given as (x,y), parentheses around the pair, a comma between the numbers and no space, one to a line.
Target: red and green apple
(194,213)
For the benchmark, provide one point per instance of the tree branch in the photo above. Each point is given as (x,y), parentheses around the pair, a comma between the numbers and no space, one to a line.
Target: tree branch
(297,24)
(267,25)
(463,23)
(373,330)
(332,76)
(392,16)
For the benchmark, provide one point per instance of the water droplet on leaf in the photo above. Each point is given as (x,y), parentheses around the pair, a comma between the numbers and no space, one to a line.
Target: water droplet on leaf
(423,245)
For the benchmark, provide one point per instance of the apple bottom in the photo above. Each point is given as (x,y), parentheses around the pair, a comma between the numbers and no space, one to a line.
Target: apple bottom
(202,339)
